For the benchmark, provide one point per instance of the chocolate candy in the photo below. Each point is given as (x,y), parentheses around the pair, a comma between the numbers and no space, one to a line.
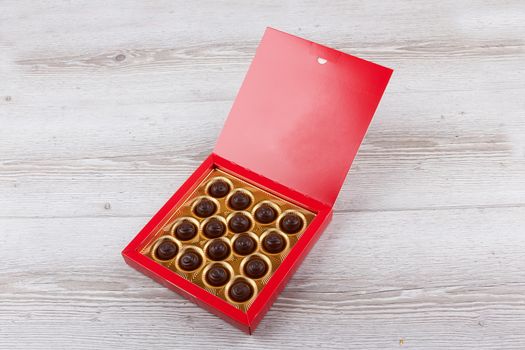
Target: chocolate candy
(244,244)
(185,230)
(218,250)
(239,222)
(255,268)
(166,250)
(219,188)
(240,291)
(217,276)
(265,214)
(227,236)
(214,228)
(291,223)
(239,200)
(204,208)
(190,260)
(274,243)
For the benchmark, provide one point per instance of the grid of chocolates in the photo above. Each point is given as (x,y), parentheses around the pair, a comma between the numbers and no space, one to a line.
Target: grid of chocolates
(228,237)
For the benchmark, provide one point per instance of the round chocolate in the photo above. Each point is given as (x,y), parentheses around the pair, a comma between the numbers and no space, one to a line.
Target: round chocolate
(218,250)
(244,245)
(265,214)
(219,189)
(291,223)
(205,208)
(166,250)
(190,261)
(217,276)
(240,291)
(274,243)
(255,268)
(239,223)
(214,228)
(185,230)
(239,200)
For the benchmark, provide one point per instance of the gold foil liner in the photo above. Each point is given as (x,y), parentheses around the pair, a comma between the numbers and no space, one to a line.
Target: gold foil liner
(234,263)
(217,178)
(245,213)
(158,242)
(298,213)
(205,221)
(251,234)
(249,301)
(197,200)
(181,219)
(224,239)
(264,258)
(273,205)
(189,274)
(209,266)
(235,190)
(284,252)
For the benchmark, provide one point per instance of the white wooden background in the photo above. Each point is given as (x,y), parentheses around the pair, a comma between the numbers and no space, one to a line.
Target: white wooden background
(106,107)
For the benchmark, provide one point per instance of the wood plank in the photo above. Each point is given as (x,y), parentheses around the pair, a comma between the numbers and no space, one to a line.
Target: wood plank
(106,108)
(90,128)
(439,279)
(456,152)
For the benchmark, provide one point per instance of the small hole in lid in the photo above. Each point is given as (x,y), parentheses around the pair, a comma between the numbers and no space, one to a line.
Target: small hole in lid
(321,60)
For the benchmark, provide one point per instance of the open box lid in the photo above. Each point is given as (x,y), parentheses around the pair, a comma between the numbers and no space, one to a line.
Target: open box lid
(301,114)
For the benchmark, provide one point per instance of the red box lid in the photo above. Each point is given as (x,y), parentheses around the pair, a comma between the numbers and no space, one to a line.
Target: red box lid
(301,114)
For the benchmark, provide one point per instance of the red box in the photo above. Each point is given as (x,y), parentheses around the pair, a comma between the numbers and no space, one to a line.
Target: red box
(294,130)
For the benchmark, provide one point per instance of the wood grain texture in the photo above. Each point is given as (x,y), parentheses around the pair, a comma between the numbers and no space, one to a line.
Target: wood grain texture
(106,108)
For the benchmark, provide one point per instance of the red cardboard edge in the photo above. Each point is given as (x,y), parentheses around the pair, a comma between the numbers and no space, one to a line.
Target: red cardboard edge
(287,268)
(322,206)
(326,51)
(249,320)
(276,59)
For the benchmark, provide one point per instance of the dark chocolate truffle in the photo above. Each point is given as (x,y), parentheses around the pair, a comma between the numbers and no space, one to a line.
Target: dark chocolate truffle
(291,223)
(274,243)
(218,250)
(239,223)
(205,208)
(185,230)
(255,268)
(217,276)
(244,245)
(239,200)
(214,228)
(166,250)
(240,291)
(190,260)
(265,214)
(219,189)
